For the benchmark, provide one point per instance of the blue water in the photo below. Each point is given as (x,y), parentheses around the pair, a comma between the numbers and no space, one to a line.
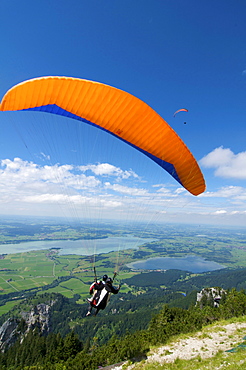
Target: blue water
(78,247)
(190,263)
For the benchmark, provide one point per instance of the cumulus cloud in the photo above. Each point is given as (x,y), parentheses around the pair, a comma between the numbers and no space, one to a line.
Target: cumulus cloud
(23,182)
(19,173)
(27,181)
(226,163)
(106,169)
(52,189)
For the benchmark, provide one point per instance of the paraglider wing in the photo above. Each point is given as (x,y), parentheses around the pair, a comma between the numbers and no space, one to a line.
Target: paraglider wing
(115,111)
(180,110)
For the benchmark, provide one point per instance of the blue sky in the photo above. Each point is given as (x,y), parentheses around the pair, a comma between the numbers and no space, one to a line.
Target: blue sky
(171,54)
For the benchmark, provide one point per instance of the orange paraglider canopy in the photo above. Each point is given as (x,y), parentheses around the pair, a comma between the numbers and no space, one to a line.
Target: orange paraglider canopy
(180,110)
(115,111)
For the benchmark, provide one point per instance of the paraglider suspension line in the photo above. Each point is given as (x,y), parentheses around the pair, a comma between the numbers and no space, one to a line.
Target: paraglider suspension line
(95,274)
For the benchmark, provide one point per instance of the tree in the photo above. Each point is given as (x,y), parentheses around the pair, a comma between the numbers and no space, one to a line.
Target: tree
(71,345)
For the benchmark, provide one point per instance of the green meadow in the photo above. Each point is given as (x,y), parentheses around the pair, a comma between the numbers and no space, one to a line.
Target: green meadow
(47,270)
(71,275)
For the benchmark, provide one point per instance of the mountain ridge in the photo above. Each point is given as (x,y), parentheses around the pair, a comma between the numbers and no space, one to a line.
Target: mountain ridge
(211,341)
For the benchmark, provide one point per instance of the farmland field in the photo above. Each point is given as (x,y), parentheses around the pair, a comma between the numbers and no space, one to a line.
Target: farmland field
(48,270)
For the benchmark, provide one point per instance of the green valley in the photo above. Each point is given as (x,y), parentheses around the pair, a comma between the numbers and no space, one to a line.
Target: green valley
(36,271)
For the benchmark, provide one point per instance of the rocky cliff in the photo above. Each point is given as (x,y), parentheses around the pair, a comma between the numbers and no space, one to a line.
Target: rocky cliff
(16,328)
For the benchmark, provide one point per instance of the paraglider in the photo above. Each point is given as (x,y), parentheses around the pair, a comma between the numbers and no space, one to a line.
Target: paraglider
(116,112)
(103,289)
(180,110)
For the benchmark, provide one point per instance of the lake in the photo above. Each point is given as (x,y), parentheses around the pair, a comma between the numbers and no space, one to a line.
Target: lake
(79,247)
(190,263)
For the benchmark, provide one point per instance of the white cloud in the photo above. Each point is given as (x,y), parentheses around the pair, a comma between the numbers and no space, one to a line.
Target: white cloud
(21,172)
(220,212)
(165,192)
(72,199)
(126,190)
(29,188)
(22,180)
(106,169)
(230,192)
(180,190)
(226,163)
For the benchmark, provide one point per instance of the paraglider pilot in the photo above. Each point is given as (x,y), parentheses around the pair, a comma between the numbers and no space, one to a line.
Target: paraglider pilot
(103,289)
(93,290)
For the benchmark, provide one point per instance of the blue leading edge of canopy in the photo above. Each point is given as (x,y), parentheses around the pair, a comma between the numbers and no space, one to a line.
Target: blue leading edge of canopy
(55,109)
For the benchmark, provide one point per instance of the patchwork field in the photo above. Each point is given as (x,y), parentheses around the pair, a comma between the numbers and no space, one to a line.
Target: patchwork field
(71,275)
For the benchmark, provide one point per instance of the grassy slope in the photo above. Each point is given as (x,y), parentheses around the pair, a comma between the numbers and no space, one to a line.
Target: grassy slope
(203,350)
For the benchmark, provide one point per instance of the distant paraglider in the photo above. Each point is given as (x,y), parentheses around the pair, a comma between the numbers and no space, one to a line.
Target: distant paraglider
(180,110)
(116,112)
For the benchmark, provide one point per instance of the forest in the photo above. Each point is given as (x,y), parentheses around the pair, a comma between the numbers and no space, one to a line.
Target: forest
(150,307)
(54,351)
